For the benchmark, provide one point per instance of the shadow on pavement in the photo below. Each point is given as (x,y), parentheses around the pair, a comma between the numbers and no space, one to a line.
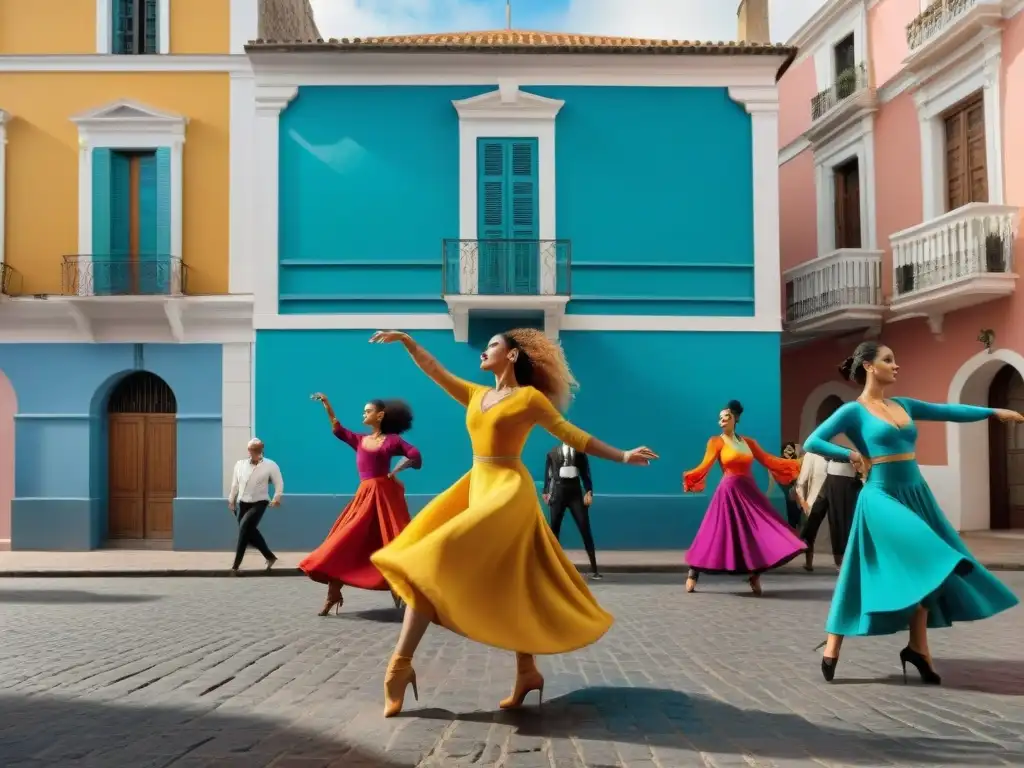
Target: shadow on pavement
(68,597)
(38,732)
(379,615)
(674,720)
(995,676)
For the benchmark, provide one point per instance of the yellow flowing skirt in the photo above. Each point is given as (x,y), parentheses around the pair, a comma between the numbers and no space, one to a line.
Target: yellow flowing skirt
(482,561)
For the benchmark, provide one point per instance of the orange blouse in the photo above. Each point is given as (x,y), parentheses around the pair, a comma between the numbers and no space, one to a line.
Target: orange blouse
(738,462)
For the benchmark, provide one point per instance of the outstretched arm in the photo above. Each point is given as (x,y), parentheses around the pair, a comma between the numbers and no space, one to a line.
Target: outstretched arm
(554,422)
(693,481)
(956,412)
(842,421)
(782,471)
(458,388)
(345,435)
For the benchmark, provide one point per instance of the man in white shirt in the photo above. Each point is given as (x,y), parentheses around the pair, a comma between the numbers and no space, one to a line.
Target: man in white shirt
(567,485)
(250,494)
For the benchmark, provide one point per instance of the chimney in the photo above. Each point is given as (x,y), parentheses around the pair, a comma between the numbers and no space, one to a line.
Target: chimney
(752,22)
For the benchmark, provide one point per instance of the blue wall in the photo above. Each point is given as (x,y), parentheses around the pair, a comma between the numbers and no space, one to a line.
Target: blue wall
(654,189)
(369,181)
(661,389)
(60,432)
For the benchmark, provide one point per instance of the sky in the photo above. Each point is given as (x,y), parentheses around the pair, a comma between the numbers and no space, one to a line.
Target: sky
(708,20)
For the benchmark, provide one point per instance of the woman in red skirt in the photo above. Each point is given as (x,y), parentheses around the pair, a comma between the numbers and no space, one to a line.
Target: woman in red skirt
(377,512)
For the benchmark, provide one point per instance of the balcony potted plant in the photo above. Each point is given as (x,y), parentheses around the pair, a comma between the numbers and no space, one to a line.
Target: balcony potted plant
(846,83)
(905,275)
(995,252)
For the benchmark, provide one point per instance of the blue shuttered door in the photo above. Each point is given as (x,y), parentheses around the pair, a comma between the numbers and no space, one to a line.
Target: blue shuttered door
(95,279)
(147,252)
(118,260)
(167,268)
(507,211)
(120,18)
(152,27)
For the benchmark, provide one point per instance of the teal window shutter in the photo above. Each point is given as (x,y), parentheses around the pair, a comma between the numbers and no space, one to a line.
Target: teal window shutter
(152,27)
(507,211)
(118,266)
(166,268)
(147,206)
(119,20)
(97,278)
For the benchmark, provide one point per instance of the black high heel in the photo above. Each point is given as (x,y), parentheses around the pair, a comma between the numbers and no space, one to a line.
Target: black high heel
(828,668)
(928,675)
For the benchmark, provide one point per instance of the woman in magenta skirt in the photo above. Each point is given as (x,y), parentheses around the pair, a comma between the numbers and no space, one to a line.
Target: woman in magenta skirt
(741,532)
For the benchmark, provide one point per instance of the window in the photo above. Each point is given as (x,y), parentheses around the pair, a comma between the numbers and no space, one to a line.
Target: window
(507,211)
(966,160)
(135,27)
(847,204)
(844,56)
(131,222)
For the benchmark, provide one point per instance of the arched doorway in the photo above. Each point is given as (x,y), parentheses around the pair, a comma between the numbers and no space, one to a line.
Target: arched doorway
(142,458)
(8,408)
(828,406)
(1006,452)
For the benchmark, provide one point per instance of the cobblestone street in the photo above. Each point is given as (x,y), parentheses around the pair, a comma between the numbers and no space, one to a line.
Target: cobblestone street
(191,672)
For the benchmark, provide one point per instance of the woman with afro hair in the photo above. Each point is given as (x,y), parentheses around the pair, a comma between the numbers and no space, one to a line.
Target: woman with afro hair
(377,512)
(480,559)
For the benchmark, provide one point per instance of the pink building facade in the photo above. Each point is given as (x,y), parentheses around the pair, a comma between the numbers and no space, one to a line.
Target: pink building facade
(902,181)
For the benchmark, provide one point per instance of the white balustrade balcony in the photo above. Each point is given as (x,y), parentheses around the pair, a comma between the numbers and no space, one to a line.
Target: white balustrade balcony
(945,25)
(835,293)
(958,260)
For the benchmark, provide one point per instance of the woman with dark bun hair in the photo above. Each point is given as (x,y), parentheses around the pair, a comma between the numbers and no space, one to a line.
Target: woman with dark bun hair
(480,559)
(741,532)
(377,512)
(905,567)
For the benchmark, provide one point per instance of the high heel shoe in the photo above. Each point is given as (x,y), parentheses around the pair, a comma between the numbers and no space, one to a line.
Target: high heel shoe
(331,603)
(691,584)
(399,677)
(924,668)
(528,679)
(828,667)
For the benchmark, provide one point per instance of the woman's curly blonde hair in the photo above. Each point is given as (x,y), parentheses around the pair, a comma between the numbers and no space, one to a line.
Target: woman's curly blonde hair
(545,367)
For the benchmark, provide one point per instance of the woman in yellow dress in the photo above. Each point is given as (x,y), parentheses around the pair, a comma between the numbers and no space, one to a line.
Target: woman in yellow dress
(480,559)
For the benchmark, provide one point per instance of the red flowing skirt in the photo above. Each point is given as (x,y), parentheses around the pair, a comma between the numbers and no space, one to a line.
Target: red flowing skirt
(374,517)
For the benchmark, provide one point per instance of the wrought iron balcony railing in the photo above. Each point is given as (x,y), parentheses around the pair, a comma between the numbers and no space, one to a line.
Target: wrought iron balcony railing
(933,19)
(847,83)
(10,280)
(118,275)
(506,267)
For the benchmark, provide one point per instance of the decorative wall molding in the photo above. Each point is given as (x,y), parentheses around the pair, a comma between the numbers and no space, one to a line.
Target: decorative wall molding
(271,100)
(127,124)
(507,112)
(793,150)
(91,62)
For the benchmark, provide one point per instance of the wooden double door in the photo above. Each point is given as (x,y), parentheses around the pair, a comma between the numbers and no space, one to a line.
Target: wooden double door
(142,475)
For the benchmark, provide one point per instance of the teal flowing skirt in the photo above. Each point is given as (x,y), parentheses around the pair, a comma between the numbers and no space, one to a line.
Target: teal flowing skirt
(902,553)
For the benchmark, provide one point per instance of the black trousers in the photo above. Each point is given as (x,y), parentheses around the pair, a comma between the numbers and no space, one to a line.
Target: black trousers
(794,515)
(837,499)
(249,516)
(568,494)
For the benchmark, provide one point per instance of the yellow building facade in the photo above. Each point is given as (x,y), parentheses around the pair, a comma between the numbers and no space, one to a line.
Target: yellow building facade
(126,309)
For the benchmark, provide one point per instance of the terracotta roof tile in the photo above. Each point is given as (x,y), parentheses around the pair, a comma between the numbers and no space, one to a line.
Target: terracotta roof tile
(516,41)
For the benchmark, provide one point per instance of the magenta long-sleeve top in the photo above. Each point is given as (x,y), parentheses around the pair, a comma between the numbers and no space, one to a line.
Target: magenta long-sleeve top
(377,463)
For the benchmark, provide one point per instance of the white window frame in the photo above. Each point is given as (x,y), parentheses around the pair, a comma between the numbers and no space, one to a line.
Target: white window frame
(105,26)
(4,118)
(959,77)
(507,112)
(854,22)
(857,141)
(127,125)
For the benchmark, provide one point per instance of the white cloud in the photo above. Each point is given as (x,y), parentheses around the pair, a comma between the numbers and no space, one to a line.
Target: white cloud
(674,19)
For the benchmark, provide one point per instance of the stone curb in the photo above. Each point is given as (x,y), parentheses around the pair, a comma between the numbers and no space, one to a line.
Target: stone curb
(283,572)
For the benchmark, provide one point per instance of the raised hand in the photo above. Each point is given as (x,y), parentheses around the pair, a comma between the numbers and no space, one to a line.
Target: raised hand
(640,457)
(319,397)
(1011,417)
(388,337)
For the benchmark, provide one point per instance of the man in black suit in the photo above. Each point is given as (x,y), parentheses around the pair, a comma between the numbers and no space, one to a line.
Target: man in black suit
(567,485)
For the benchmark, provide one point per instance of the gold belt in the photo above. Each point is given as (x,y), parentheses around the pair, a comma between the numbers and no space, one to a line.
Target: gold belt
(890,459)
(495,459)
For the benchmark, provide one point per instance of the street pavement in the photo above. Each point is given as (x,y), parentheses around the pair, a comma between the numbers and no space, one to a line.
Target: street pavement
(241,673)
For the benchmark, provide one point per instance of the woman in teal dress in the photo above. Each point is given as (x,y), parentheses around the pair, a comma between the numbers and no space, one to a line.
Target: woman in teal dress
(905,565)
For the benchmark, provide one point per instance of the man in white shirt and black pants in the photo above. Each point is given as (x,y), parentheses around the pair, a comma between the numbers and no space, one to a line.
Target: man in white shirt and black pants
(250,491)
(567,484)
